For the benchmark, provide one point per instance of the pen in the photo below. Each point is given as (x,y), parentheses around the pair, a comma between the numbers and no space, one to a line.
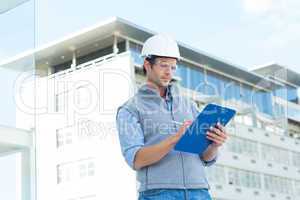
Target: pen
(179,123)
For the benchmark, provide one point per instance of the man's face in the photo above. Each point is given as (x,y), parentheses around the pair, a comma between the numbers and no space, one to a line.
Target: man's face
(161,72)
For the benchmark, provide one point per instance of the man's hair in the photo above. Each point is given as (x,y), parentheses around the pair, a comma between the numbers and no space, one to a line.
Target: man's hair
(151,59)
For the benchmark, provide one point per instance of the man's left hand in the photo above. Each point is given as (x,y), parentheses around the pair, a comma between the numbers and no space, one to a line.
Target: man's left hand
(217,134)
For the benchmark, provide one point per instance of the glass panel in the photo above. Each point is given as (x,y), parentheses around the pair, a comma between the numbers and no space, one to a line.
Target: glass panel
(244,178)
(292,94)
(242,146)
(275,154)
(197,79)
(281,92)
(278,184)
(296,159)
(232,91)
(216,174)
(183,73)
(136,50)
(91,56)
(246,93)
(263,102)
(288,93)
(218,83)
(293,112)
(191,77)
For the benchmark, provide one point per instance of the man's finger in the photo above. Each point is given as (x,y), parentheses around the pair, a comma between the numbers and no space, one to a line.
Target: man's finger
(222,128)
(215,140)
(218,132)
(213,135)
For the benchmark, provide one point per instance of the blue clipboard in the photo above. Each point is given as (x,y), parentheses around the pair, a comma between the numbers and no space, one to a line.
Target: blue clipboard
(194,140)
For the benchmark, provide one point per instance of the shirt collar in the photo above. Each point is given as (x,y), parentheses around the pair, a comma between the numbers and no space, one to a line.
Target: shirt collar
(146,88)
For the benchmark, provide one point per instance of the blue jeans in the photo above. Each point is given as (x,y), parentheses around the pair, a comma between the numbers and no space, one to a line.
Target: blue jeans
(175,194)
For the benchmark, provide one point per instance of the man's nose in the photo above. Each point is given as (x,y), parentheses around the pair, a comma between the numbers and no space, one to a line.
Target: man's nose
(168,70)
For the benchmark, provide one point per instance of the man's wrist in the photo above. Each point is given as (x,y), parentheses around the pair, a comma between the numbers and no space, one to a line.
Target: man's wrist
(214,146)
(170,141)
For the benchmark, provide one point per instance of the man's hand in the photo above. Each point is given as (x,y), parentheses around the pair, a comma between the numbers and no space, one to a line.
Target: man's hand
(151,154)
(175,138)
(218,135)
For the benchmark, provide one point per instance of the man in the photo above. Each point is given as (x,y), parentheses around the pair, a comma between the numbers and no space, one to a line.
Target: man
(148,131)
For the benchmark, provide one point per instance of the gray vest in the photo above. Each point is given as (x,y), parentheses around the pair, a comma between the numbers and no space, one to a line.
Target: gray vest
(177,170)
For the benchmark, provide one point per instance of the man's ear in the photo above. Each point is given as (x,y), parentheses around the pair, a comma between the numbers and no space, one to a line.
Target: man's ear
(147,65)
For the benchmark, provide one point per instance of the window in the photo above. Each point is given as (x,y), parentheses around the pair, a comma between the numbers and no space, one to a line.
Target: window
(280,92)
(296,159)
(62,66)
(59,139)
(244,178)
(196,78)
(242,146)
(218,83)
(183,73)
(263,102)
(244,119)
(216,173)
(82,170)
(278,184)
(192,77)
(59,174)
(246,94)
(233,178)
(95,54)
(136,50)
(91,169)
(121,46)
(83,97)
(232,91)
(86,168)
(63,173)
(287,93)
(275,154)
(293,113)
(60,100)
(64,136)
(75,170)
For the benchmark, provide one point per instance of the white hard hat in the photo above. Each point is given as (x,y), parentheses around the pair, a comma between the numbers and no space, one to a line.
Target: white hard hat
(161,45)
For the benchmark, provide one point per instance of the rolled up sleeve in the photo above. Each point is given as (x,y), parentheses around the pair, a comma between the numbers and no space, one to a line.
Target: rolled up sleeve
(130,134)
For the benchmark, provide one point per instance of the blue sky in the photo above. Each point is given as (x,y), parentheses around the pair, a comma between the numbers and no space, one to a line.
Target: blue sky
(244,32)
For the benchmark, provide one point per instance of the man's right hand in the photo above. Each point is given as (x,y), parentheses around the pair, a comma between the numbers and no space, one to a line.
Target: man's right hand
(175,138)
(152,154)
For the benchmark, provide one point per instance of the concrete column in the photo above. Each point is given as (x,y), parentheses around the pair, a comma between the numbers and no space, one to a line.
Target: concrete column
(28,174)
(115,45)
(127,47)
(74,60)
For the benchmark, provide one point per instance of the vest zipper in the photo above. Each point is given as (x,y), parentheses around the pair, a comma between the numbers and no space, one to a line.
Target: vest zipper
(181,157)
